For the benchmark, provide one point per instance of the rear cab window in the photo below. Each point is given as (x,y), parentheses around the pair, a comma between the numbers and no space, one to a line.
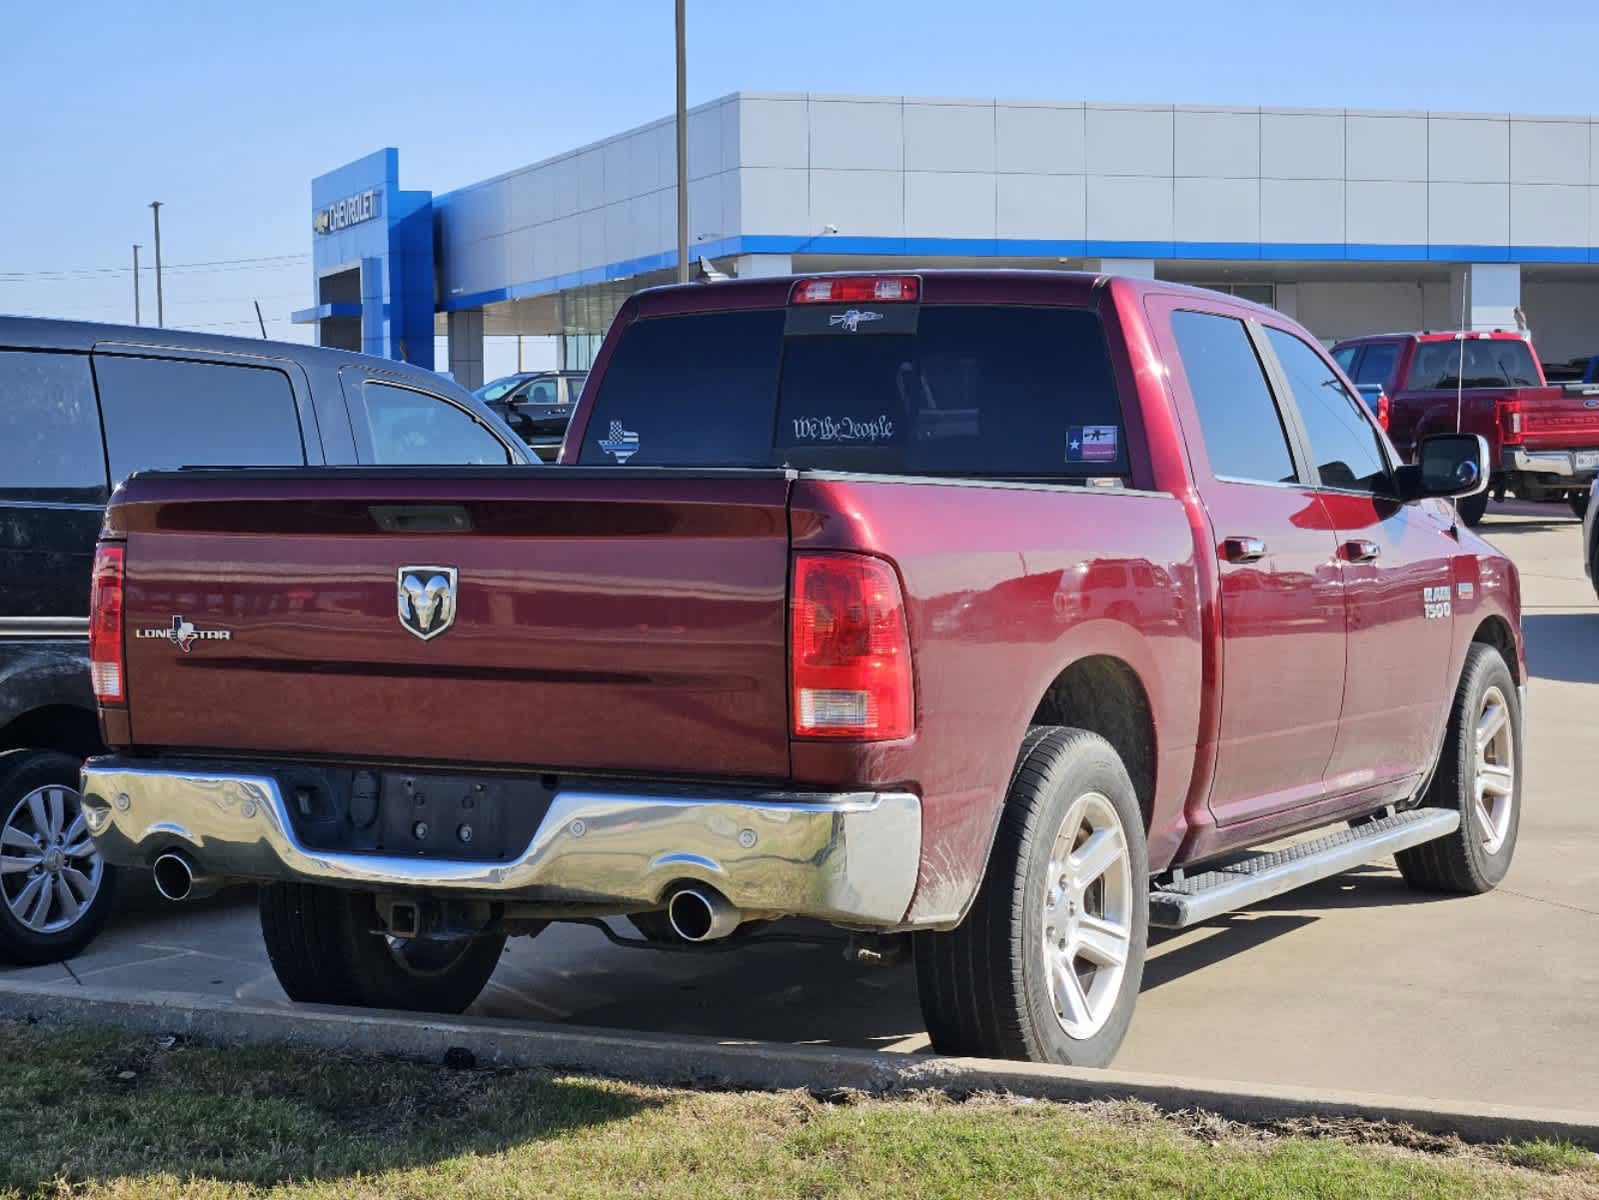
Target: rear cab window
(994,390)
(1472,363)
(162,413)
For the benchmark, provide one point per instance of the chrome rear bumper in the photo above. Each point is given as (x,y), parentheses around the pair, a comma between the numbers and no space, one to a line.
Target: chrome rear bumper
(1562,463)
(850,858)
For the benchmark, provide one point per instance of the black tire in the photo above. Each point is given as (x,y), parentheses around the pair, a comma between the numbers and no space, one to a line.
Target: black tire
(1468,862)
(53,779)
(1472,509)
(984,986)
(1579,504)
(324,951)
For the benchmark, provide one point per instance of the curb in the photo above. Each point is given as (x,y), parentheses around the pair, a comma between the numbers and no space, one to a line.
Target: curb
(757,1066)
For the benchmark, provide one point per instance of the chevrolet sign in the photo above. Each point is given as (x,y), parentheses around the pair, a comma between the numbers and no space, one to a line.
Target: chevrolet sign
(362,206)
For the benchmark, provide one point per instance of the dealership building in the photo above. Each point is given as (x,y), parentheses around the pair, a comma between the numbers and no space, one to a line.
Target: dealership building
(1353,221)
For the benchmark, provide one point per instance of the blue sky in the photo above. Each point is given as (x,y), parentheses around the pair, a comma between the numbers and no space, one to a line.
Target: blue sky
(226,111)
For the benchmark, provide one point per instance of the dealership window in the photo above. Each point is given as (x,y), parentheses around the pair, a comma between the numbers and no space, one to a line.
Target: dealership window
(162,413)
(49,429)
(415,428)
(1255,293)
(1243,431)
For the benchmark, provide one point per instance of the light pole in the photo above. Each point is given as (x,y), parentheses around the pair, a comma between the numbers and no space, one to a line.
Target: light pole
(160,311)
(682,146)
(136,319)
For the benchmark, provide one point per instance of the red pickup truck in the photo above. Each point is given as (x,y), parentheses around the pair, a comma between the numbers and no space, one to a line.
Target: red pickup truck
(1543,439)
(1001,614)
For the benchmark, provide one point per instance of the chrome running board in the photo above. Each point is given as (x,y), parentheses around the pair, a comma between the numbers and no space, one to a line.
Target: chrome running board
(1179,903)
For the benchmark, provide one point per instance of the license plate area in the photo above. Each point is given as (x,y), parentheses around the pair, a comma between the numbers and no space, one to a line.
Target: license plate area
(1587,460)
(473,818)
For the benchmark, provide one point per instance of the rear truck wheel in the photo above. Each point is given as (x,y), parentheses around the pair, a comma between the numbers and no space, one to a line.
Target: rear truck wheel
(1479,776)
(55,890)
(1472,509)
(1579,504)
(327,947)
(1047,965)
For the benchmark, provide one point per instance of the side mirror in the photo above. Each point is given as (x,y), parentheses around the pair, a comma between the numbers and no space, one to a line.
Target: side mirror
(1447,465)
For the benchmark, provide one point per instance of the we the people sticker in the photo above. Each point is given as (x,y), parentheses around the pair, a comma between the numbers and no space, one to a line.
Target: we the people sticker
(1091,443)
(844,429)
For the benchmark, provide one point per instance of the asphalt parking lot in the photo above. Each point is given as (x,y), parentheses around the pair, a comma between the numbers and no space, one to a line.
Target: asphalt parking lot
(1355,983)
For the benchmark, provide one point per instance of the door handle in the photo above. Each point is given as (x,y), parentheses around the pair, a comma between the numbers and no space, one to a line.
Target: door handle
(1360,550)
(1243,549)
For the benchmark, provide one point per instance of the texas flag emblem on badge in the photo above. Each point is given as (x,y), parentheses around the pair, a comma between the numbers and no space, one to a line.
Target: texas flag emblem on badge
(1091,443)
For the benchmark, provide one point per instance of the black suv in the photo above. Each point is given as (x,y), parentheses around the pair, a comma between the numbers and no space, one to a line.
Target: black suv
(82,407)
(537,404)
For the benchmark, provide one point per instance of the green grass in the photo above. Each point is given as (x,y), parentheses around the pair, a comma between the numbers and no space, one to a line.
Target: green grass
(98,1114)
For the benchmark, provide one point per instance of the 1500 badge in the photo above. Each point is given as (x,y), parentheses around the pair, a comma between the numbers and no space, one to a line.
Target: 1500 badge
(1435,602)
(183,634)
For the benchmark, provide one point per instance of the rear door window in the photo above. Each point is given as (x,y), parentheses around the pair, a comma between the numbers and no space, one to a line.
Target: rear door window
(1243,431)
(50,447)
(993,390)
(415,428)
(162,413)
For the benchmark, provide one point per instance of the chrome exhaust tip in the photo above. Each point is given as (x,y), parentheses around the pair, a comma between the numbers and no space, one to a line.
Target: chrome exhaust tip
(176,880)
(701,914)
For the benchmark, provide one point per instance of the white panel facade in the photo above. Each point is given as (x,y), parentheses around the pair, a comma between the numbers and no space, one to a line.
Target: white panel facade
(788,166)
(1216,210)
(1302,210)
(1468,150)
(949,137)
(1041,206)
(1128,141)
(1549,151)
(1297,144)
(1385,147)
(1219,144)
(774,132)
(1461,214)
(952,204)
(1129,209)
(1039,139)
(857,134)
(1380,213)
(859,203)
(1549,214)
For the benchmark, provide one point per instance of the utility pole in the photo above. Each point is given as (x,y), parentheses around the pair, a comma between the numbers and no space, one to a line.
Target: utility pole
(682,144)
(160,311)
(136,319)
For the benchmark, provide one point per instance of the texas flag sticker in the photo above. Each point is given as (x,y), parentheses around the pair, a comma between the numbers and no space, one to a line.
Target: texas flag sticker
(1091,443)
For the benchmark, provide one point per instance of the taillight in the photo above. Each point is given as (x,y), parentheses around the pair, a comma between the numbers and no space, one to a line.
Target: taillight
(1510,421)
(850,654)
(106,667)
(1385,410)
(853,289)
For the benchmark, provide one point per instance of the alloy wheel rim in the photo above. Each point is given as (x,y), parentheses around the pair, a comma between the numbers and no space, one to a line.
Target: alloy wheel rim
(1087,921)
(1494,780)
(50,872)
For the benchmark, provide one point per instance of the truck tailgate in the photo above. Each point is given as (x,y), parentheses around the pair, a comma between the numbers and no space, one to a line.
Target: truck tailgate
(1559,418)
(617,620)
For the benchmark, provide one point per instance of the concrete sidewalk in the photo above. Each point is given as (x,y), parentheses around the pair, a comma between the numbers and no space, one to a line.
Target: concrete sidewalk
(1354,984)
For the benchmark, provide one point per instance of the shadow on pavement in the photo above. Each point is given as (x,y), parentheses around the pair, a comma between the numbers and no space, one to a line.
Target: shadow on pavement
(1562,646)
(1224,938)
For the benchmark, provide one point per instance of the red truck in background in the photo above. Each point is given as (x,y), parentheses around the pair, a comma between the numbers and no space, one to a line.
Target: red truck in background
(996,613)
(1543,439)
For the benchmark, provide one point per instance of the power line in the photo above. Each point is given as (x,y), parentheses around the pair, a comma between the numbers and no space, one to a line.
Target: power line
(92,272)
